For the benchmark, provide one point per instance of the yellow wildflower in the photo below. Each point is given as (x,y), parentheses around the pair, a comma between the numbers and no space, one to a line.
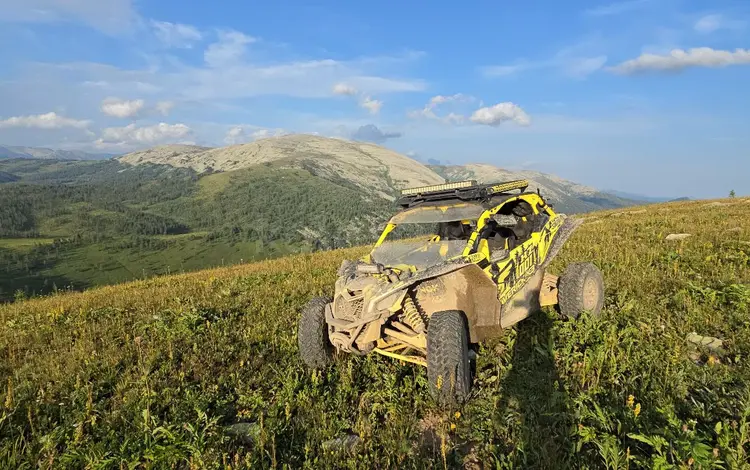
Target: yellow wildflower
(631,400)
(458,415)
(453,427)
(637,409)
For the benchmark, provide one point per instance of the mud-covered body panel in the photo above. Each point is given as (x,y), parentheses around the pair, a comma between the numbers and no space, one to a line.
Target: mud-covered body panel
(467,289)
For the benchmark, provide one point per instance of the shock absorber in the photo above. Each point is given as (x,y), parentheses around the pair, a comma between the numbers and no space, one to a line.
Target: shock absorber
(412,315)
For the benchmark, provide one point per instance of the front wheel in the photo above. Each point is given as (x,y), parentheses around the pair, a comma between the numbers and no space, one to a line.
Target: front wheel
(312,335)
(448,369)
(581,288)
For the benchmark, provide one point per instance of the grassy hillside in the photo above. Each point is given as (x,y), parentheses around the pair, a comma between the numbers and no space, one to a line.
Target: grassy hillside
(112,223)
(157,373)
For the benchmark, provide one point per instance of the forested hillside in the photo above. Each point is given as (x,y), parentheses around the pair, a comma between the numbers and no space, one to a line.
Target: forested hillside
(89,223)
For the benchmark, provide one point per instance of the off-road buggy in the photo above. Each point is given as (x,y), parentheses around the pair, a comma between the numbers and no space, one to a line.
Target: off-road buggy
(457,264)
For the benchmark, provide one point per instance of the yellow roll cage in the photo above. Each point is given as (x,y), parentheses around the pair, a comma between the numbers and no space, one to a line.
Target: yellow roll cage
(533,199)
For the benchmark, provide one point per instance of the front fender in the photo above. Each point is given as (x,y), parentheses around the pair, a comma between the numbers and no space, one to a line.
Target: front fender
(467,289)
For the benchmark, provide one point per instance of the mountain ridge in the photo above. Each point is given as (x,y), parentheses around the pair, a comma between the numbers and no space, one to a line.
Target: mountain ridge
(367,166)
(44,153)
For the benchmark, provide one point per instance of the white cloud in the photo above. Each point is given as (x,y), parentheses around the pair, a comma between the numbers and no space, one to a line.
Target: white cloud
(344,89)
(109,16)
(264,133)
(499,113)
(244,133)
(164,107)
(440,99)
(235,80)
(575,62)
(679,59)
(714,22)
(491,71)
(228,50)
(176,34)
(452,118)
(367,102)
(116,107)
(44,121)
(148,135)
(616,8)
(372,105)
(234,135)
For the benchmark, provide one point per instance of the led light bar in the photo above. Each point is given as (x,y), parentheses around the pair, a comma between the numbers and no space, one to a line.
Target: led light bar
(438,187)
(509,186)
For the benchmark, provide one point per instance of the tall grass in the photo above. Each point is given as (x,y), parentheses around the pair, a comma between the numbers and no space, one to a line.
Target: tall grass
(155,373)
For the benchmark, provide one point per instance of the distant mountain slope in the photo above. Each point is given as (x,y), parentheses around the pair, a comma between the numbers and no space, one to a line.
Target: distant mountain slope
(642,198)
(378,170)
(566,195)
(363,165)
(49,154)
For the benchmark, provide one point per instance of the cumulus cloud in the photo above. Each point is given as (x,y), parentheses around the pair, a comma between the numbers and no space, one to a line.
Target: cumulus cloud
(118,108)
(679,59)
(499,113)
(234,135)
(344,89)
(176,34)
(372,133)
(229,49)
(147,135)
(372,105)
(44,121)
(366,102)
(452,118)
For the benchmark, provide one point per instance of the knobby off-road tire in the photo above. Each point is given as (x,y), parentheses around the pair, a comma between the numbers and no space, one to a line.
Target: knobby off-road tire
(312,335)
(448,369)
(581,288)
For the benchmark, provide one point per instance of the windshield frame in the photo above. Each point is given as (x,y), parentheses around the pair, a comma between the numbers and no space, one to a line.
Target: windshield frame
(537,204)
(454,212)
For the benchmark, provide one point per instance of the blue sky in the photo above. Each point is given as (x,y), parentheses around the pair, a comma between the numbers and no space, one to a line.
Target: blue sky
(645,96)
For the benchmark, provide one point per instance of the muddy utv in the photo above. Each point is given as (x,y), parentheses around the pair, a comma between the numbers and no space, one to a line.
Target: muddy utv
(458,263)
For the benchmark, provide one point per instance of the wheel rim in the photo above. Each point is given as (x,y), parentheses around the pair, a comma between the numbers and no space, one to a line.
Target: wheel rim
(590,294)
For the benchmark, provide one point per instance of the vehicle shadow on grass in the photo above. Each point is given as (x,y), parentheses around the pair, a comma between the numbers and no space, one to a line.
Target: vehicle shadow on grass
(535,401)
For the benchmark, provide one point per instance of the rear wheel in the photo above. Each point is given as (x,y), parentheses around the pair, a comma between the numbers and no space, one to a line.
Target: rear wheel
(581,288)
(312,335)
(448,368)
